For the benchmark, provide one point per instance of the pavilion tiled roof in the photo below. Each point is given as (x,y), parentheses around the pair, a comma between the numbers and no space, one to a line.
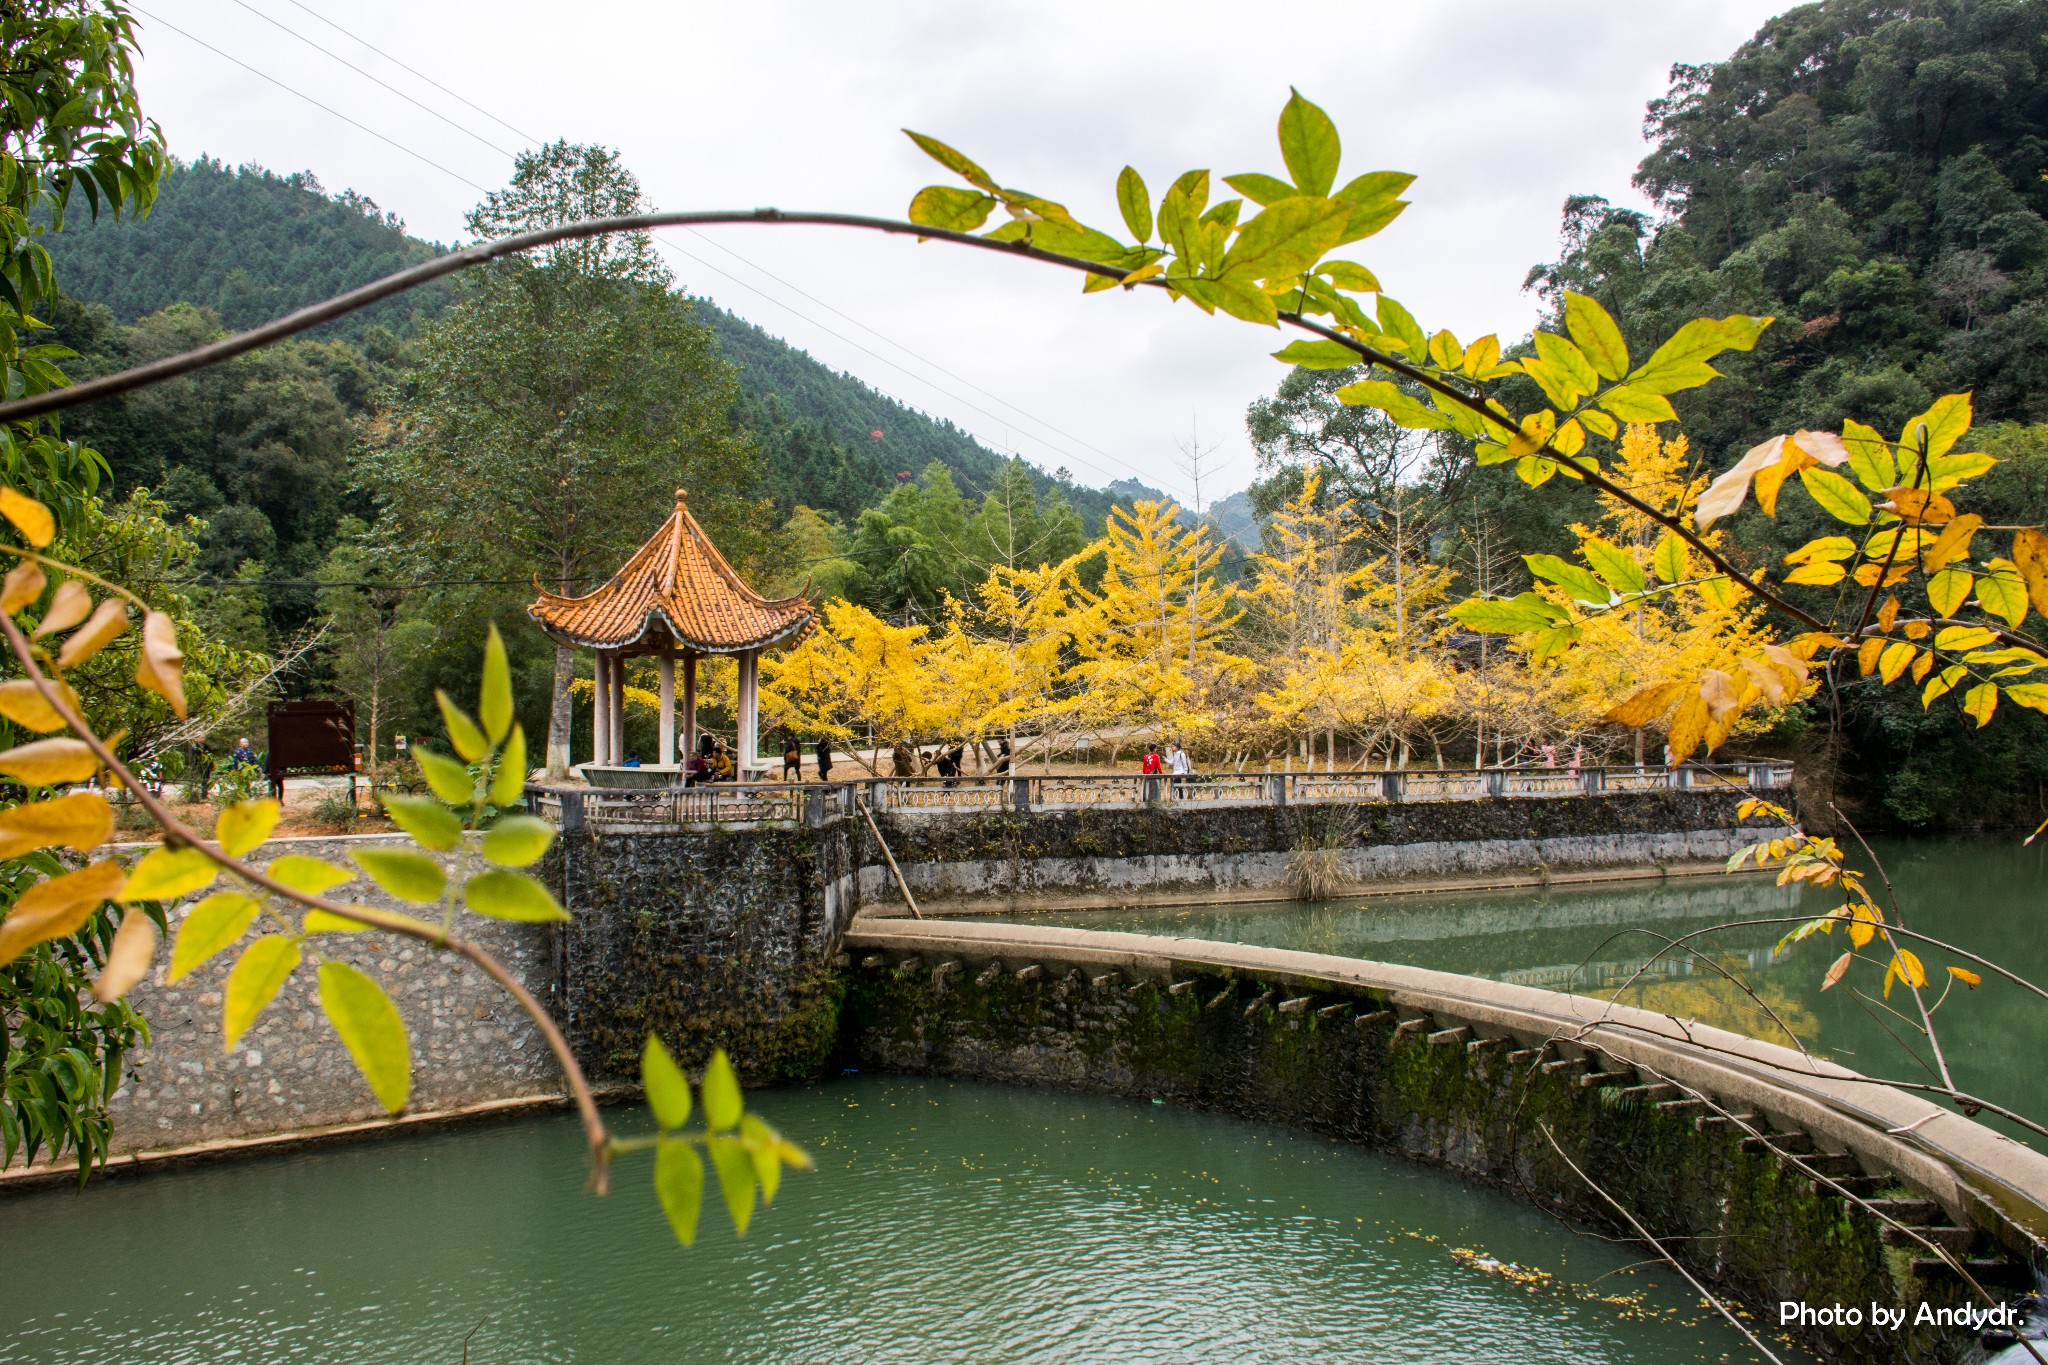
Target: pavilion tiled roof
(677,581)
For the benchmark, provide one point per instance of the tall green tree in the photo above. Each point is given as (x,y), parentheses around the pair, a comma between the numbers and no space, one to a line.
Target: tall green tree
(556,408)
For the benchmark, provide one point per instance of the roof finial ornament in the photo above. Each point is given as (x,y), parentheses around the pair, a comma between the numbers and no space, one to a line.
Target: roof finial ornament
(682,495)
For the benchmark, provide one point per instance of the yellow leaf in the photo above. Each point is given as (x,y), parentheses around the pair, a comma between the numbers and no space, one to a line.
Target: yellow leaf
(1893,661)
(49,762)
(1949,589)
(1717,689)
(1788,660)
(56,907)
(1922,666)
(244,825)
(128,960)
(1887,614)
(80,821)
(159,664)
(1918,506)
(1863,923)
(1766,678)
(1838,971)
(71,605)
(22,702)
(1866,655)
(1827,547)
(1688,728)
(23,585)
(1953,543)
(1915,630)
(1817,575)
(207,928)
(1910,970)
(1964,637)
(314,876)
(327,922)
(1941,426)
(108,621)
(1769,479)
(1979,702)
(1943,681)
(1645,706)
(167,873)
(1867,574)
(1966,976)
(2002,593)
(2030,555)
(254,982)
(30,517)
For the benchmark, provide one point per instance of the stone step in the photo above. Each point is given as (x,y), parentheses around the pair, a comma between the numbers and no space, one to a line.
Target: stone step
(1602,1079)
(1797,1144)
(1987,1271)
(1955,1241)
(1715,1123)
(1461,1033)
(1917,1213)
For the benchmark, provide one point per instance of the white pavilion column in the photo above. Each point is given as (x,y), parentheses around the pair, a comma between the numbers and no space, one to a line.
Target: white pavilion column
(666,663)
(750,711)
(689,704)
(618,709)
(600,709)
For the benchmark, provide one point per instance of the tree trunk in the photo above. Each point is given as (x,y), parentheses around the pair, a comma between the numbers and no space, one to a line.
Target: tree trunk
(561,712)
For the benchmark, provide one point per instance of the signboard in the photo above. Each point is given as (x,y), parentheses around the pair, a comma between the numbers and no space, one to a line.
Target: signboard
(309,738)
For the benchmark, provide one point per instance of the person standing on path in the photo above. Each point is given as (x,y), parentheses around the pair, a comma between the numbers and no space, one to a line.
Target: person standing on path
(824,760)
(1181,767)
(792,761)
(1151,768)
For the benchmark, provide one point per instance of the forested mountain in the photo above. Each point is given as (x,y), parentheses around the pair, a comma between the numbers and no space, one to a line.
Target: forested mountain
(250,245)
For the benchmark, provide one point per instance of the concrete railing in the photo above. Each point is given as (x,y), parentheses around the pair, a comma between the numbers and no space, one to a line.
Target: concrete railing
(814,803)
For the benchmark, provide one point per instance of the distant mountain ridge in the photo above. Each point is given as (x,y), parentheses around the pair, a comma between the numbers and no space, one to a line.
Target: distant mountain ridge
(251,245)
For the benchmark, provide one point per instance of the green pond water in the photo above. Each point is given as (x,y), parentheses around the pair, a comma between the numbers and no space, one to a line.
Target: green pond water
(945,1223)
(1987,895)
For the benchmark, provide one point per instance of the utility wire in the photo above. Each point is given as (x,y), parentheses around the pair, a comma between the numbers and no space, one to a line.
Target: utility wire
(308,99)
(687,255)
(368,77)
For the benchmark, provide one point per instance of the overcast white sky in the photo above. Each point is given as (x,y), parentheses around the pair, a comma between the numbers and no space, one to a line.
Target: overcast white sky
(1501,109)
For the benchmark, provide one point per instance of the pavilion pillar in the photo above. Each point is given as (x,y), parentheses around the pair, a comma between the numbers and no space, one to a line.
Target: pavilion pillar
(689,704)
(750,712)
(600,710)
(618,709)
(666,664)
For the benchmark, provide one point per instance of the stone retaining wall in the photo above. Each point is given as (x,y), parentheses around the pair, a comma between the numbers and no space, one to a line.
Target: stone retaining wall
(1138,852)
(1774,1177)
(471,1043)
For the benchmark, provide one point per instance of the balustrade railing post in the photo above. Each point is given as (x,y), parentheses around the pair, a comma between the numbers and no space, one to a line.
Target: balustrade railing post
(572,811)
(1021,793)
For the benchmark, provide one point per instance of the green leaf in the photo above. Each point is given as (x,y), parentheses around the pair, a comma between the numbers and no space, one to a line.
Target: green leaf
(1136,202)
(508,783)
(255,981)
(1837,496)
(165,874)
(1399,407)
(1870,459)
(1238,297)
(1595,332)
(1554,640)
(951,208)
(1398,321)
(449,779)
(494,694)
(430,822)
(1260,189)
(1942,425)
(679,1184)
(721,1091)
(1349,275)
(1374,187)
(244,825)
(1568,360)
(1680,363)
(1670,560)
(1318,355)
(208,927)
(1617,567)
(314,876)
(953,161)
(1949,589)
(511,895)
(518,840)
(405,873)
(371,1030)
(668,1089)
(1632,404)
(327,922)
(763,1146)
(2003,597)
(463,735)
(1490,616)
(1309,145)
(1573,579)
(735,1179)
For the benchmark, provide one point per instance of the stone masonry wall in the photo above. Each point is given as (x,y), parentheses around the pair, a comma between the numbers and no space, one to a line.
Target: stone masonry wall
(1167,847)
(470,1042)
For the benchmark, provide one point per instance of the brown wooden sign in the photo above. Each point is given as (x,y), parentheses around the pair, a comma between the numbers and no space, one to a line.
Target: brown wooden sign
(309,738)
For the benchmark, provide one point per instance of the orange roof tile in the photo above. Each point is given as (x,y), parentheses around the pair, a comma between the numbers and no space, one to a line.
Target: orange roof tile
(680,582)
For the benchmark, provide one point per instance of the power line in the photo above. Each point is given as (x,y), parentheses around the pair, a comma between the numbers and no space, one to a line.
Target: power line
(671,246)
(308,98)
(368,77)
(415,71)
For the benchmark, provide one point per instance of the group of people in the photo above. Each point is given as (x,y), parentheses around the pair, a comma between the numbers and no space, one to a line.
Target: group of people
(1174,762)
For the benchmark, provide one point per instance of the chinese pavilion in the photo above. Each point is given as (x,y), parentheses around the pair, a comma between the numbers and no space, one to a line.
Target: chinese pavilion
(676,599)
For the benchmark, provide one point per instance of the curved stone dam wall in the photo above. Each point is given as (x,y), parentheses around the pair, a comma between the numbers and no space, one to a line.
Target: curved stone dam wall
(1773,1176)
